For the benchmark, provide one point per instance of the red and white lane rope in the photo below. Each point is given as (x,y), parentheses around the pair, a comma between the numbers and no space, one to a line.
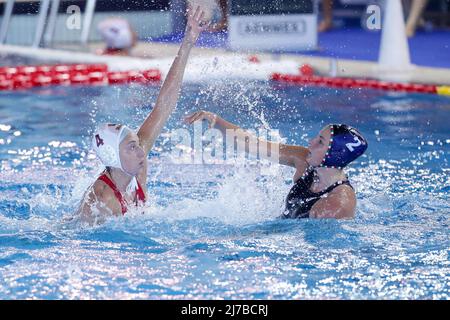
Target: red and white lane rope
(307,77)
(25,77)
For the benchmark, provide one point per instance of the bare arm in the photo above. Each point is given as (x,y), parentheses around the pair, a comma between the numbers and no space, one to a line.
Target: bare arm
(170,91)
(418,6)
(293,156)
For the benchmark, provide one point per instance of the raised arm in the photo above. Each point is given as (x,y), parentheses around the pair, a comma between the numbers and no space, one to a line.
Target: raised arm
(293,156)
(170,90)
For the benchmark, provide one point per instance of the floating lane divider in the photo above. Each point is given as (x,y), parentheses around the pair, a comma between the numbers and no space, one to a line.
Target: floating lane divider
(443,90)
(333,82)
(25,77)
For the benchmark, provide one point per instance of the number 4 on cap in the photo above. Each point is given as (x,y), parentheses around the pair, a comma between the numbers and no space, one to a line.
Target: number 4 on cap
(98,140)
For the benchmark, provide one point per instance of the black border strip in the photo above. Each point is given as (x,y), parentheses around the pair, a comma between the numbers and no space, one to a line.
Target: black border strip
(258,7)
(23,8)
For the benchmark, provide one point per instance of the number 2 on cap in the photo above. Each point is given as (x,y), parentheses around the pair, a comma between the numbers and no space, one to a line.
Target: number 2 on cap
(351,146)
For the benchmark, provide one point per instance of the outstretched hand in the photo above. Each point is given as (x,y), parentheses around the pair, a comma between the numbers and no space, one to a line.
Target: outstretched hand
(202,115)
(195,24)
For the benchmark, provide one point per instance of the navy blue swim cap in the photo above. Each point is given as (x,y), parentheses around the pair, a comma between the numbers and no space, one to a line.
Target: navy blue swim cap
(346,145)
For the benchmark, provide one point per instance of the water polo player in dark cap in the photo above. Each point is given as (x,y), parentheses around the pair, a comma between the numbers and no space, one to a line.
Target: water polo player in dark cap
(321,187)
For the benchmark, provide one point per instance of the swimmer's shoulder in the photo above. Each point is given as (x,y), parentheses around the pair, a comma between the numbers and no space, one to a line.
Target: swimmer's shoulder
(101,189)
(101,192)
(340,203)
(345,191)
(95,205)
(348,196)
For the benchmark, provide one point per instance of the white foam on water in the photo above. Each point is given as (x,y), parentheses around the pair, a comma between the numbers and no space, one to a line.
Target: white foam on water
(241,199)
(199,69)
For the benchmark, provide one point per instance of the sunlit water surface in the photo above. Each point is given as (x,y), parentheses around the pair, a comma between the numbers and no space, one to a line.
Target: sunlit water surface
(209,231)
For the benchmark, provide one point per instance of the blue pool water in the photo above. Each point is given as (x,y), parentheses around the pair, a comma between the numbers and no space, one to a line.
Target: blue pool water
(209,231)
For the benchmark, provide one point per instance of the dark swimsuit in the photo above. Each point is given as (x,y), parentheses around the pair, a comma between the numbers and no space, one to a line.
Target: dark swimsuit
(301,199)
(140,195)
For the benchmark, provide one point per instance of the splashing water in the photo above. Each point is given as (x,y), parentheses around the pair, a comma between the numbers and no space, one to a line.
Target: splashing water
(209,231)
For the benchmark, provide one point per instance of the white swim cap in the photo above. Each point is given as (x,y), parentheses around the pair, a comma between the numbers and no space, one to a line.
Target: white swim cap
(106,142)
(116,32)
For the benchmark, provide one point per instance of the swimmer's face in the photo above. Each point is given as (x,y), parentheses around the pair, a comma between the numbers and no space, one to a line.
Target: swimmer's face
(131,154)
(318,147)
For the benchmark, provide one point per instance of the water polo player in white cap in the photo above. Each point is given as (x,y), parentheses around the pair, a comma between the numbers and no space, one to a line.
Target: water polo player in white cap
(118,36)
(124,152)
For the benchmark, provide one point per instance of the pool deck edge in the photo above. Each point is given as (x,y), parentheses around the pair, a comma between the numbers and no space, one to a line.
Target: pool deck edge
(148,52)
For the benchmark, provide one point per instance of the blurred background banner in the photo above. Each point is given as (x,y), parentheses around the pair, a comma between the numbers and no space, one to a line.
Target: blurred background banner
(274,25)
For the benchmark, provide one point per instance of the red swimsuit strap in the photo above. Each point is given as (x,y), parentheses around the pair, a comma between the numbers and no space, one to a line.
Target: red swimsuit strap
(139,192)
(117,193)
